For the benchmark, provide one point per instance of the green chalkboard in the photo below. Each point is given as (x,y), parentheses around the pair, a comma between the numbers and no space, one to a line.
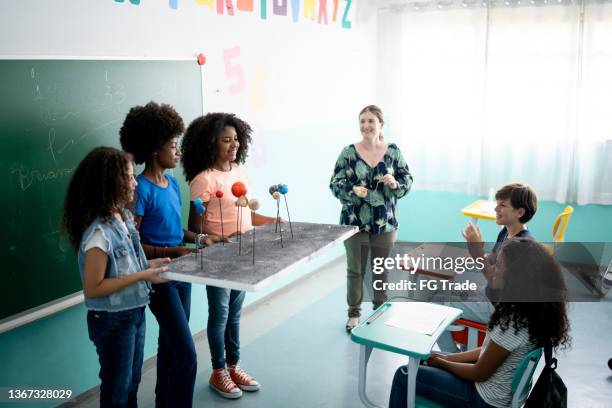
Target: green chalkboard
(52,112)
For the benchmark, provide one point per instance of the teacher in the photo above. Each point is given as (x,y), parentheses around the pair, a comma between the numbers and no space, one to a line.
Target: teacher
(368,178)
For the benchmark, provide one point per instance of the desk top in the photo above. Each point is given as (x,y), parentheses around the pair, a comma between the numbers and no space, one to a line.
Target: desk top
(483,209)
(375,332)
(222,266)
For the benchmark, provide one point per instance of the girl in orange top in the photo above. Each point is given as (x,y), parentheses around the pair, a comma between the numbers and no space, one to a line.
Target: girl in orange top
(213,147)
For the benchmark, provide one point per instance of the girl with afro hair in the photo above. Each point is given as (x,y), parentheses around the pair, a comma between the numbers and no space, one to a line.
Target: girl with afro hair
(213,148)
(150,133)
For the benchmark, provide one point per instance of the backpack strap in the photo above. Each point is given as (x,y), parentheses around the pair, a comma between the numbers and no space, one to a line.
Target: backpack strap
(551,362)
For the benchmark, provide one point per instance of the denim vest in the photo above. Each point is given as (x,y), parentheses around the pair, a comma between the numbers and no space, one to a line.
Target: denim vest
(125,257)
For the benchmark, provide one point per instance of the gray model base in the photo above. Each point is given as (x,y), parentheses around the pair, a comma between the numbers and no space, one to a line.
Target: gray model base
(222,266)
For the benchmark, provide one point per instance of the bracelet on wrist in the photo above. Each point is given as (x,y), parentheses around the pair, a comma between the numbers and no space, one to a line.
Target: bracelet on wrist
(199,241)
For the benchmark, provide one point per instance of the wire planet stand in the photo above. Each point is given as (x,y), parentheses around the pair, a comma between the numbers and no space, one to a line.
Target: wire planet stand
(219,195)
(276,196)
(276,190)
(283,189)
(254,206)
(239,191)
(200,210)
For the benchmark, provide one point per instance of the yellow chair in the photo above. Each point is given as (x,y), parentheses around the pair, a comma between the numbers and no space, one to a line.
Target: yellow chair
(559,227)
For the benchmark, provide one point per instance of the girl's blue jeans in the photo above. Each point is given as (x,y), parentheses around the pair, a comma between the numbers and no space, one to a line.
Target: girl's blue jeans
(119,340)
(176,354)
(223,329)
(438,386)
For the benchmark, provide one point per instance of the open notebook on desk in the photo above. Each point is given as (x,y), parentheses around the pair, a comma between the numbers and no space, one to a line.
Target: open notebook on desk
(424,318)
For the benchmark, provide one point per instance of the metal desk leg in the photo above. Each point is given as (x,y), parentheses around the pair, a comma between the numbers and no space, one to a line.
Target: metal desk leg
(364,356)
(413,367)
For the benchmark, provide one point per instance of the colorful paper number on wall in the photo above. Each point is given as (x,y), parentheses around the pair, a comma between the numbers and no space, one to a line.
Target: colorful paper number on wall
(234,73)
(257,92)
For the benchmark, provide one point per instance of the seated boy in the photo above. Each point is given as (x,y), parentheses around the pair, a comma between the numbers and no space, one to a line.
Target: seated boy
(516,205)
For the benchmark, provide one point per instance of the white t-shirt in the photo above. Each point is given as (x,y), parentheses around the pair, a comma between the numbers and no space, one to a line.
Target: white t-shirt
(497,389)
(98,240)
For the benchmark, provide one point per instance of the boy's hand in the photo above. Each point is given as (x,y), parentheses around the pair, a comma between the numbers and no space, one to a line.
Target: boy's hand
(474,238)
(360,191)
(472,233)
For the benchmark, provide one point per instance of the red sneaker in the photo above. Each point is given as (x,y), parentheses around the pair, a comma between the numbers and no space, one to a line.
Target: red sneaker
(242,379)
(221,382)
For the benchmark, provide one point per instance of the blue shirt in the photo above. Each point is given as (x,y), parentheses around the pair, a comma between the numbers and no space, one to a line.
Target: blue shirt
(160,209)
(503,235)
(494,294)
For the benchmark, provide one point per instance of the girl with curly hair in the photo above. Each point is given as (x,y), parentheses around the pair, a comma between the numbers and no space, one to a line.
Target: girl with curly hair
(113,267)
(530,312)
(150,133)
(213,148)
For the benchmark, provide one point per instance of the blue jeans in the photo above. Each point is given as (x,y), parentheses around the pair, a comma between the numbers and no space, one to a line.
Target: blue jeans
(224,307)
(176,355)
(119,340)
(438,386)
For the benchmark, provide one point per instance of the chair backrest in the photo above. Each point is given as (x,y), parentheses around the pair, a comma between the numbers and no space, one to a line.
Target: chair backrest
(560,224)
(521,381)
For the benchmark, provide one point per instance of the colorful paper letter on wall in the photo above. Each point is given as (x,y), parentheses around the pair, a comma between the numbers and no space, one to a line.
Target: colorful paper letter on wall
(295,10)
(245,5)
(279,7)
(208,3)
(322,11)
(345,22)
(309,9)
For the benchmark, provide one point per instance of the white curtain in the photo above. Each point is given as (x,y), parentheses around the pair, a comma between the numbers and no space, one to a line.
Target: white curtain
(481,96)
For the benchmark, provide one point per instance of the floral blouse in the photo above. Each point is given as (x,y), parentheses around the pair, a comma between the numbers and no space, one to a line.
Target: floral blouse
(376,213)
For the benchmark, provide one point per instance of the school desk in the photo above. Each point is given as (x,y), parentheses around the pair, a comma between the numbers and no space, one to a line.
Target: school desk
(231,265)
(480,209)
(374,332)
